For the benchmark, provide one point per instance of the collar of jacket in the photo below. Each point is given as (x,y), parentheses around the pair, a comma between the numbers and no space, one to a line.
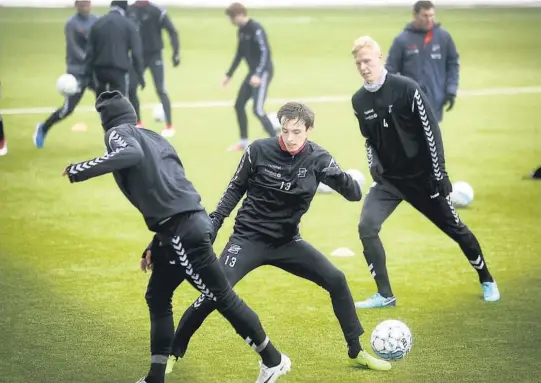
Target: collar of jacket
(378,84)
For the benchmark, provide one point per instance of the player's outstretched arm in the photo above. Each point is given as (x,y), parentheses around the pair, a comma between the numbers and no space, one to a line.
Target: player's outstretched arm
(236,61)
(432,134)
(237,186)
(332,176)
(123,152)
(167,24)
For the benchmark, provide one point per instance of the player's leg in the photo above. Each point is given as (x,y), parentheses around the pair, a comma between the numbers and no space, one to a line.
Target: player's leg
(164,280)
(441,212)
(158,75)
(191,242)
(3,142)
(238,258)
(42,128)
(100,85)
(133,96)
(380,201)
(303,260)
(245,92)
(259,96)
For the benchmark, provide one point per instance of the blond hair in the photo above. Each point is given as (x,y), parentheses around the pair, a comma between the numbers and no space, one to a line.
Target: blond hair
(364,42)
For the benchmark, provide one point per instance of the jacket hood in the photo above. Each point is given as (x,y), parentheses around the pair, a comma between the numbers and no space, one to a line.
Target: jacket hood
(115,110)
(411,28)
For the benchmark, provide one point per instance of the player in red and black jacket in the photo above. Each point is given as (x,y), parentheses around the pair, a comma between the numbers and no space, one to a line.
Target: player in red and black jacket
(279,177)
(406,160)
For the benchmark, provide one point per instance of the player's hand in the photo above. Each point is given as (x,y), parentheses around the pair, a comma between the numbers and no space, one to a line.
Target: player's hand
(142,83)
(225,81)
(146,261)
(445,187)
(66,173)
(376,170)
(255,81)
(176,60)
(331,172)
(217,221)
(449,99)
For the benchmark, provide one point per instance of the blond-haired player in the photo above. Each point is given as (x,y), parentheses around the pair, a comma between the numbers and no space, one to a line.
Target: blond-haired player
(406,160)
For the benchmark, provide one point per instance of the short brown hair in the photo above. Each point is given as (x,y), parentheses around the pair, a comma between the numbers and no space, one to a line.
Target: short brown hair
(235,9)
(296,111)
(422,4)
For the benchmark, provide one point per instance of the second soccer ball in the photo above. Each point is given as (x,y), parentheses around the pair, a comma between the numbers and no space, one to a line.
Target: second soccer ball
(158,114)
(67,85)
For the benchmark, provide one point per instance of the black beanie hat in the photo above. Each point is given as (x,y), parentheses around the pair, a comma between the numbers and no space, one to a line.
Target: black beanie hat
(120,4)
(115,110)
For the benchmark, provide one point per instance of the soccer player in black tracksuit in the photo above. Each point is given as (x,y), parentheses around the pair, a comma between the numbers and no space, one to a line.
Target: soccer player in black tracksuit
(280,177)
(406,161)
(108,61)
(254,47)
(3,142)
(151,19)
(76,32)
(150,174)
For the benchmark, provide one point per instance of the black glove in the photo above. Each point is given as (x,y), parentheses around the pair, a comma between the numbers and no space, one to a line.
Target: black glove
(331,172)
(440,188)
(142,83)
(176,60)
(445,187)
(449,99)
(217,221)
(376,170)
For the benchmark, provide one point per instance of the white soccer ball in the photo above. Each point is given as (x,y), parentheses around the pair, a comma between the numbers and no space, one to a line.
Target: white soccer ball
(462,194)
(273,117)
(158,114)
(67,85)
(391,340)
(357,176)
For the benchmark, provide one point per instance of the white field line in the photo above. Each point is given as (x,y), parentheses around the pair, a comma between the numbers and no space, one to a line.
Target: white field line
(308,100)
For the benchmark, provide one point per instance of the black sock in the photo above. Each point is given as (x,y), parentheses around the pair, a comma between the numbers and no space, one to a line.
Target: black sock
(376,260)
(53,119)
(156,373)
(270,355)
(164,98)
(1,129)
(354,348)
(242,120)
(472,250)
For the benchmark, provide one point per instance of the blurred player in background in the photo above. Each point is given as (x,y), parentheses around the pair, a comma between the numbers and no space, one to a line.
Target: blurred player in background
(151,19)
(76,32)
(425,52)
(114,46)
(406,160)
(3,142)
(279,177)
(149,172)
(254,47)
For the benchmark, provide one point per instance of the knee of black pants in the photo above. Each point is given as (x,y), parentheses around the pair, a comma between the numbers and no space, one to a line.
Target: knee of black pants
(159,305)
(258,112)
(335,282)
(368,227)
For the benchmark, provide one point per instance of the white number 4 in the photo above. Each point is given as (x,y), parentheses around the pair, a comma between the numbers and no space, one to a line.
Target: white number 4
(385,123)
(285,185)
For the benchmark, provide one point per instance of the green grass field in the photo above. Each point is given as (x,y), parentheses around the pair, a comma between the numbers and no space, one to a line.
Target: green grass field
(72,305)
